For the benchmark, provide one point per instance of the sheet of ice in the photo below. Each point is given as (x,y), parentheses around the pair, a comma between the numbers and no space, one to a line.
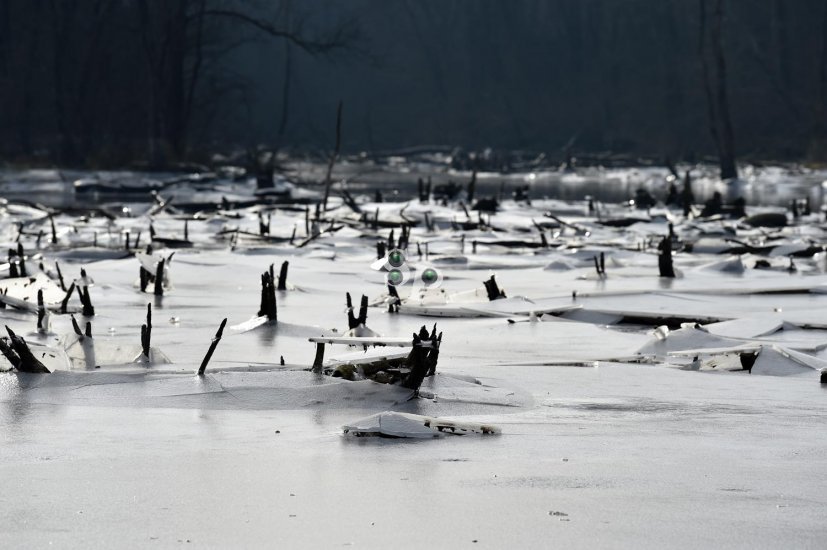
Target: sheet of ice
(621,453)
(252,455)
(750,327)
(406,425)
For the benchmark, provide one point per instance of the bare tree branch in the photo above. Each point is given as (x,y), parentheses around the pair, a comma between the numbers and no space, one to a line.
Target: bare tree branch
(342,38)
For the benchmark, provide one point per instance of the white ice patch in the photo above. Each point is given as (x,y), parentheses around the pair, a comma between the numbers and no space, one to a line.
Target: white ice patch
(395,424)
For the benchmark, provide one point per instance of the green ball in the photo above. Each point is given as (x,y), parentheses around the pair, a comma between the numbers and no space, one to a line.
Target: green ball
(396,258)
(395,277)
(430,276)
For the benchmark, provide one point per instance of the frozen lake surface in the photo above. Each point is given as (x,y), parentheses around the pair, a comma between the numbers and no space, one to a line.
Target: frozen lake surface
(636,410)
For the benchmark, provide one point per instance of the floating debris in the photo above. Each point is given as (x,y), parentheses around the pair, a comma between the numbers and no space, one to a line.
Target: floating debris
(405,425)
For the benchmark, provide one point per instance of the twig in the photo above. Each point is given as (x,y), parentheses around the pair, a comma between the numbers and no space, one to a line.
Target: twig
(328,179)
(213,345)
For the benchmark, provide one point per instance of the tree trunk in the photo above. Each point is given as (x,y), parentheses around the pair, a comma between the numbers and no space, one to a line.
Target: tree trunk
(197,65)
(818,140)
(175,86)
(149,42)
(329,179)
(717,97)
(285,95)
(781,41)
(62,19)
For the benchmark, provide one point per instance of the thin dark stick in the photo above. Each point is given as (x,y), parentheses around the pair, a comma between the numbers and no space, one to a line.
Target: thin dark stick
(328,178)
(213,345)
(159,279)
(146,332)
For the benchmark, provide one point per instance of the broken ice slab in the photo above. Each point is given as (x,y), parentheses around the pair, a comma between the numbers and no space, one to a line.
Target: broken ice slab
(399,425)
(768,360)
(90,353)
(51,358)
(507,307)
(21,292)
(749,327)
(362,341)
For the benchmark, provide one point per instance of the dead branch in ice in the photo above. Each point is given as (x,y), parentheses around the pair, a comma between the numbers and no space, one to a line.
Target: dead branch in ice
(211,350)
(19,354)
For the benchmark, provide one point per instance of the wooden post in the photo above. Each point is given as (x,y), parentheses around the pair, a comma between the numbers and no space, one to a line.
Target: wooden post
(146,332)
(363,311)
(21,260)
(433,354)
(268,304)
(417,364)
(393,299)
(283,275)
(213,345)
(352,321)
(262,305)
(665,264)
(144,276)
(159,279)
(319,359)
(493,289)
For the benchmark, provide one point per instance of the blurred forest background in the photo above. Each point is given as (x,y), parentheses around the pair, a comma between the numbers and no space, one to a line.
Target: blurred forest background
(114,82)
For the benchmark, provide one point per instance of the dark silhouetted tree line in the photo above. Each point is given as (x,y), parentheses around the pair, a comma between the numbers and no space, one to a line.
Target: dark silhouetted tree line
(112,80)
(116,80)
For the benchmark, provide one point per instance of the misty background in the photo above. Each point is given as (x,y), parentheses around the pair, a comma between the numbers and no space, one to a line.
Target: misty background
(110,82)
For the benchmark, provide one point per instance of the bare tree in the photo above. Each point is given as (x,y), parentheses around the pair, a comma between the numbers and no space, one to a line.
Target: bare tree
(818,140)
(720,123)
(178,36)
